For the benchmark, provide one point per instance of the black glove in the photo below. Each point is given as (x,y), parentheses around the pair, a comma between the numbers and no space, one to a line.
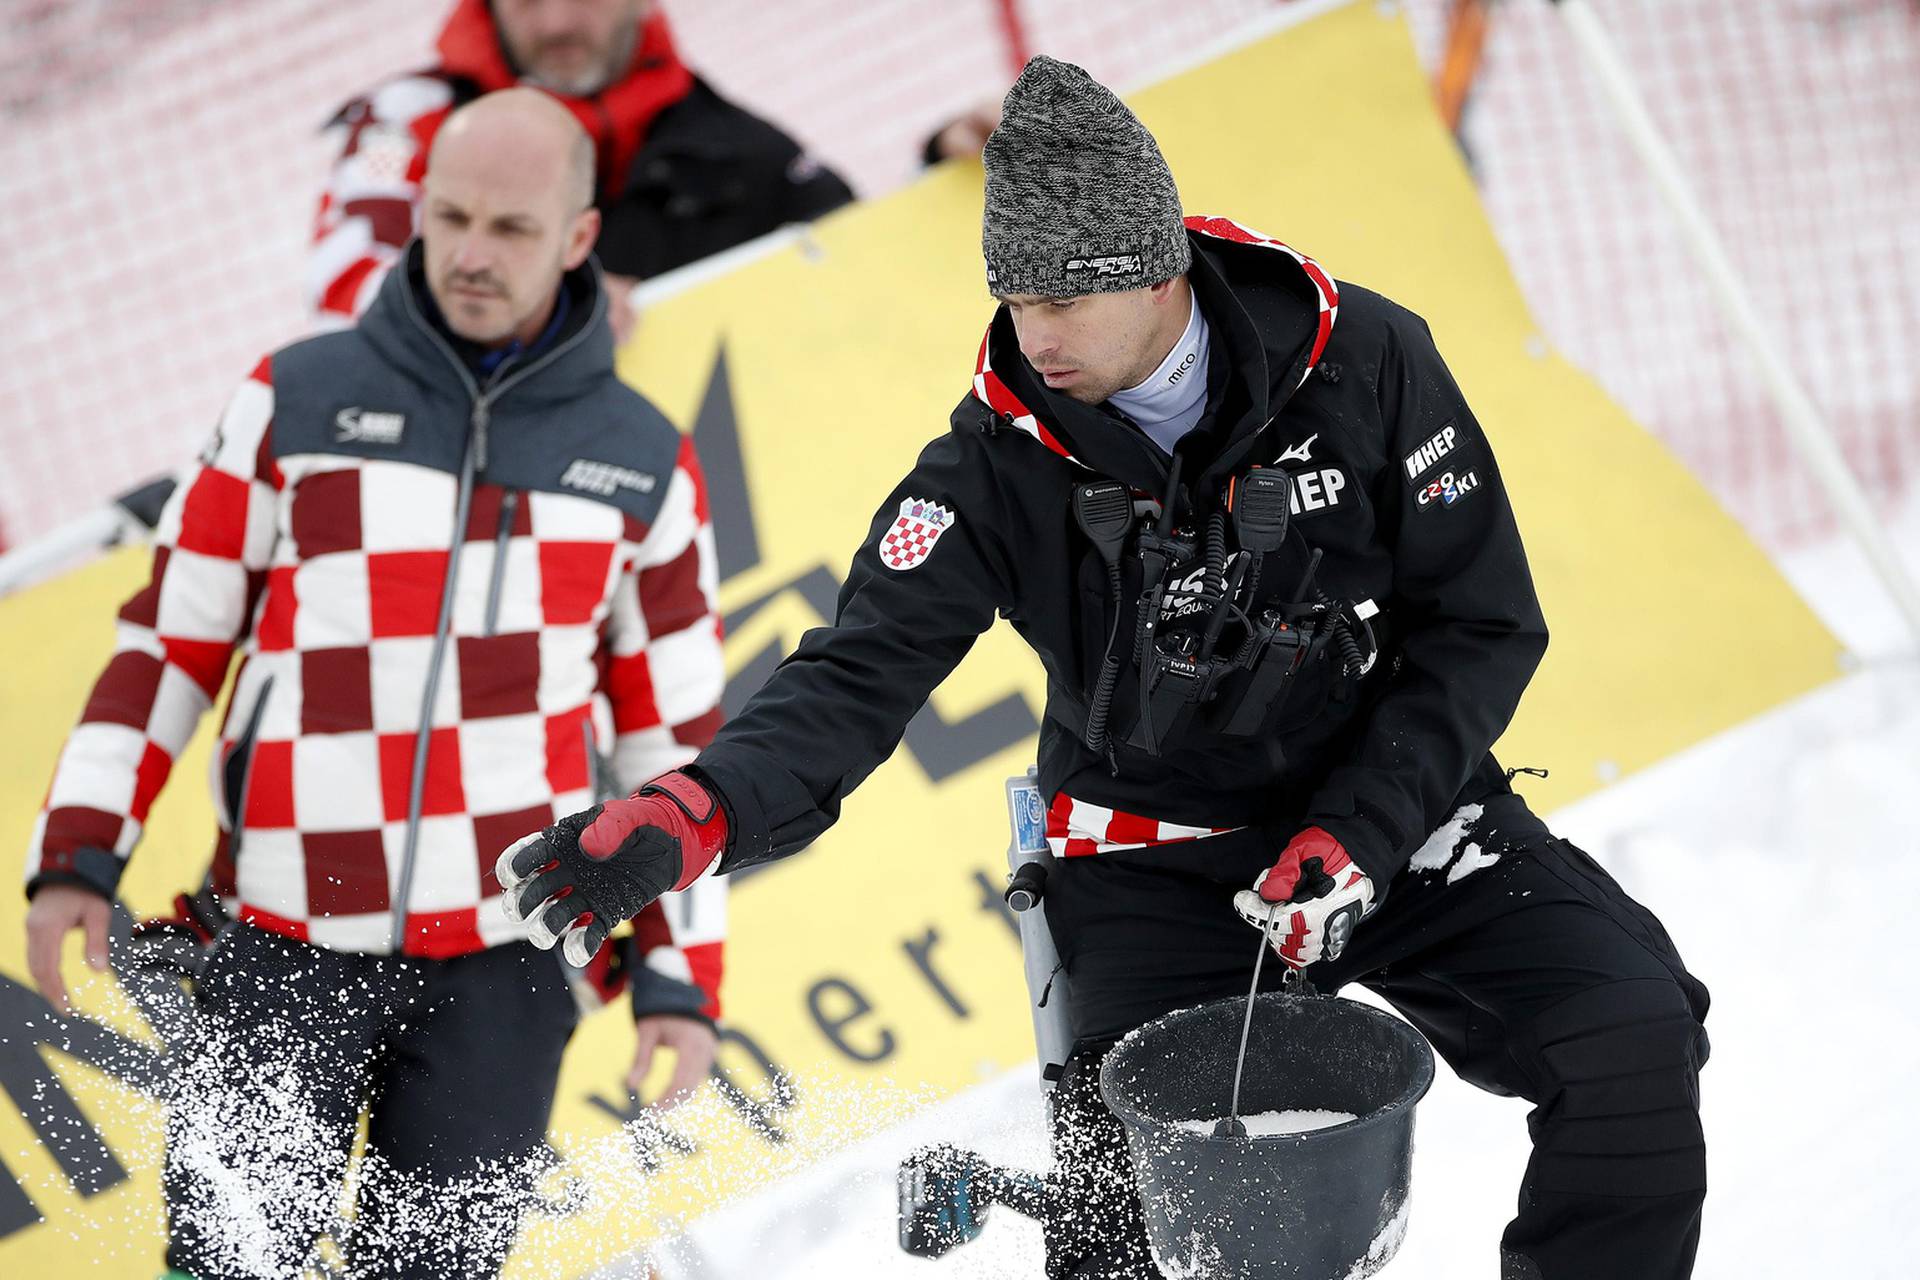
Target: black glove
(593,870)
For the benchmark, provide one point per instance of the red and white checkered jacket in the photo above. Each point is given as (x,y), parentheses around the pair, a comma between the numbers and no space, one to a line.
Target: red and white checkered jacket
(315,541)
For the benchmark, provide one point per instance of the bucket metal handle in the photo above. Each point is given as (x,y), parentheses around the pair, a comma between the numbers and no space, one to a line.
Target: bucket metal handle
(1230,1127)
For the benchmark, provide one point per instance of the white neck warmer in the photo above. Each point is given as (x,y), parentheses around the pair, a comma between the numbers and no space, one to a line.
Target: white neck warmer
(1168,404)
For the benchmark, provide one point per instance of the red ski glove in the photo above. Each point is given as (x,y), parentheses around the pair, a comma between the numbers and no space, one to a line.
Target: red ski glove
(1308,901)
(589,871)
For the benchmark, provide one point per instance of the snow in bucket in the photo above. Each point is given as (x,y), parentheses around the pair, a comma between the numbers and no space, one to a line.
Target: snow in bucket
(1293,1198)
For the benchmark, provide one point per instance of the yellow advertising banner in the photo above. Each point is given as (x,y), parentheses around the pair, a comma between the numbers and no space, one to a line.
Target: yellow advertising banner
(880,969)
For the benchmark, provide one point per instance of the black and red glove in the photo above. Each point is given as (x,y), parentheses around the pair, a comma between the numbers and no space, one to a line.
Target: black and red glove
(1309,900)
(589,871)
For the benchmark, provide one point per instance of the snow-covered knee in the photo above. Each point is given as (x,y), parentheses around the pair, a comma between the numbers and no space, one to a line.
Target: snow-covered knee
(1619,1102)
(1093,1226)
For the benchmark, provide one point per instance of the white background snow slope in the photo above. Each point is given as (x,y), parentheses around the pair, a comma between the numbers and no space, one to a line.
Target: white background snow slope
(1784,857)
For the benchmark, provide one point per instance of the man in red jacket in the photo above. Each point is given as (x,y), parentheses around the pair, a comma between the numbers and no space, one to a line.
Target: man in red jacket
(459,560)
(679,172)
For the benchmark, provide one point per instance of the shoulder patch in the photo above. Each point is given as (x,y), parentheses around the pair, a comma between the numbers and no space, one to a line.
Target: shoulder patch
(1442,443)
(605,479)
(355,425)
(1446,489)
(914,532)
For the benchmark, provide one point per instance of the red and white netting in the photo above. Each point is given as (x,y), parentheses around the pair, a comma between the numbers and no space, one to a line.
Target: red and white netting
(1798,123)
(159,162)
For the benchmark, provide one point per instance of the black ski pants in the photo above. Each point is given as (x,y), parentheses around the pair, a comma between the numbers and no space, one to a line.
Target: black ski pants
(454,1063)
(1536,977)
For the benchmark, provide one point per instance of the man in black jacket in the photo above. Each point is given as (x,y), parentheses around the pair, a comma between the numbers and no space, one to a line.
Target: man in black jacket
(679,171)
(1262,548)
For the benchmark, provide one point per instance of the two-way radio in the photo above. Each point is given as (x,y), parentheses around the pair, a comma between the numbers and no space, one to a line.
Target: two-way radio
(1182,669)
(1104,511)
(1178,676)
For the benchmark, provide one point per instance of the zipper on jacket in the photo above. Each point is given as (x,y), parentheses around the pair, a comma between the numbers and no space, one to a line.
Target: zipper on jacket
(479,421)
(509,504)
(436,662)
(474,461)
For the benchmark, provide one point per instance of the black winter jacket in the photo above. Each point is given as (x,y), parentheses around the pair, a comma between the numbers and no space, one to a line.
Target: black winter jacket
(1393,485)
(710,175)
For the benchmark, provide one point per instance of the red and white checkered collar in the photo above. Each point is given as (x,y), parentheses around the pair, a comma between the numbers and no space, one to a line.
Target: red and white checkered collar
(1326,292)
(991,391)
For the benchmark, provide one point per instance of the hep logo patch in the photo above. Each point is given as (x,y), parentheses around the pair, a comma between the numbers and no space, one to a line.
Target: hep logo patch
(1316,491)
(915,530)
(1448,489)
(1439,446)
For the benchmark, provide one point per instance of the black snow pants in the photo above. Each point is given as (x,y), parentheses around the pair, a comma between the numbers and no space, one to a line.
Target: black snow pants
(454,1062)
(1536,977)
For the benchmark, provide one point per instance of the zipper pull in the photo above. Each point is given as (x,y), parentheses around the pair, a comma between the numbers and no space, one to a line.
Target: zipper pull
(482,416)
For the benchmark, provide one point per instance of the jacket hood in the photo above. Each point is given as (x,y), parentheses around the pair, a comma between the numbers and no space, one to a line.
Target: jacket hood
(399,324)
(1271,310)
(617,118)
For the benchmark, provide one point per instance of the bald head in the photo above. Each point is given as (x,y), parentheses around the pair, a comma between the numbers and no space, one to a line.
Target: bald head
(520,131)
(507,211)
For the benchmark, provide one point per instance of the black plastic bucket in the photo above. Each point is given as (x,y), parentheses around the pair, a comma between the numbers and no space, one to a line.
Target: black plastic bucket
(1328,1204)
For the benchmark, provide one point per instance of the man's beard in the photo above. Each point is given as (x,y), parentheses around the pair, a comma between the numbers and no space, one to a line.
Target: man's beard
(585,84)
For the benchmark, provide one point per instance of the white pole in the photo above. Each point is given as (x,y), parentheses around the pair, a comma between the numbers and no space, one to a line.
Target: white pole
(1804,425)
(58,548)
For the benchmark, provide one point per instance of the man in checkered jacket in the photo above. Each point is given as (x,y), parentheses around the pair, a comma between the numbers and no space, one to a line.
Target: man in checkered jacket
(459,561)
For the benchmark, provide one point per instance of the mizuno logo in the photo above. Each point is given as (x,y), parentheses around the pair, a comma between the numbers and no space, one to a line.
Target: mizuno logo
(1302,452)
(1431,452)
(1114,264)
(364,426)
(604,478)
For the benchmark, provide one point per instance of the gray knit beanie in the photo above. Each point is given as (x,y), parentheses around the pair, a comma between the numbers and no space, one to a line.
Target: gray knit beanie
(1079,199)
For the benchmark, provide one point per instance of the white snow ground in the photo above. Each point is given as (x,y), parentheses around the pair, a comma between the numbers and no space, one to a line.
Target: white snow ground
(1784,855)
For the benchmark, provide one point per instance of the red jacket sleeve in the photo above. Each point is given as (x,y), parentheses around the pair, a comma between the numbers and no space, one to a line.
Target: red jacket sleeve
(174,642)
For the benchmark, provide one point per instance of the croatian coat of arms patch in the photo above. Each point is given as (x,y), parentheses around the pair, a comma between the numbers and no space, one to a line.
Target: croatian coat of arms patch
(915,530)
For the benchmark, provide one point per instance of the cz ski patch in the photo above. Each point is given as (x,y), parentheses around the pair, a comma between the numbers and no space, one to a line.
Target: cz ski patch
(910,540)
(1448,489)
